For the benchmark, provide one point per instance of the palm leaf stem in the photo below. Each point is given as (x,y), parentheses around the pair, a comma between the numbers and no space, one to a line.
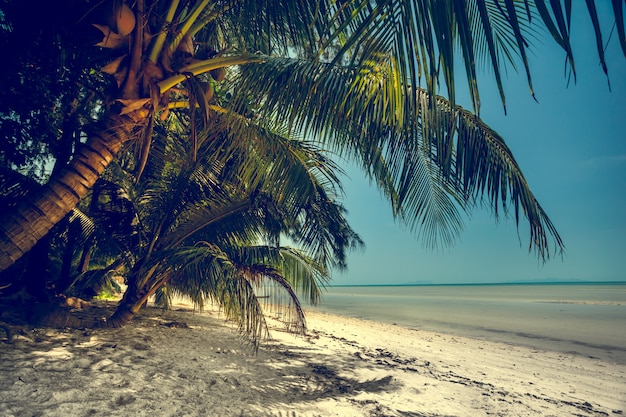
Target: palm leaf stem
(238,208)
(205,66)
(189,21)
(185,105)
(157,46)
(208,18)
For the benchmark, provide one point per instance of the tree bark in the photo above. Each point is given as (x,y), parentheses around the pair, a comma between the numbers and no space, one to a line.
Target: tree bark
(134,300)
(23,226)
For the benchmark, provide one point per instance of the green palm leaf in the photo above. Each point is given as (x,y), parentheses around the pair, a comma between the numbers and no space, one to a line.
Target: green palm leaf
(215,221)
(429,156)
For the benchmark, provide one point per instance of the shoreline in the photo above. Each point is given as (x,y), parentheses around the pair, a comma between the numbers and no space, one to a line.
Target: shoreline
(486,284)
(343,367)
(608,353)
(579,319)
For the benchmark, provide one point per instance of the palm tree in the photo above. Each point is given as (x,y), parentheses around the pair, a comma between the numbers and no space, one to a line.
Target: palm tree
(211,227)
(347,73)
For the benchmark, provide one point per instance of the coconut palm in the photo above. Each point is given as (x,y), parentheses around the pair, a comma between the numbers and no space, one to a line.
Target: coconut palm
(347,73)
(211,227)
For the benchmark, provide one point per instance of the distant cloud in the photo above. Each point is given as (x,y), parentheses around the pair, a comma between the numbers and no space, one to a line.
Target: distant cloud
(602,160)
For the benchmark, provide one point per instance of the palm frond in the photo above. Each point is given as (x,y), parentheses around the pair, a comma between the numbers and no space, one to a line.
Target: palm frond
(14,186)
(426,38)
(209,215)
(276,277)
(429,156)
(276,27)
(205,272)
(304,274)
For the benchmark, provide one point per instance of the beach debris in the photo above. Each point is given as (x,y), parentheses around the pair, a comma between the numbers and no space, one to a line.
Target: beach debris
(7,330)
(77,303)
(176,325)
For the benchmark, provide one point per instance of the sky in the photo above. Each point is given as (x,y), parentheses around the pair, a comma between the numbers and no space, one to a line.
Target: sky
(571,146)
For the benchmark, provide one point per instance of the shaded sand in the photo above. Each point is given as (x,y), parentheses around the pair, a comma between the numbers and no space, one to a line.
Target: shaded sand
(185,364)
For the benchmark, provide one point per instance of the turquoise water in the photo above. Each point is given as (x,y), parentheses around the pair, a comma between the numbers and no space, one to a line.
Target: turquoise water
(587,319)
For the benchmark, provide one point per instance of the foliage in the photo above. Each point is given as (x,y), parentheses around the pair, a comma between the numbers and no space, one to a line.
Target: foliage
(217,111)
(49,87)
(211,230)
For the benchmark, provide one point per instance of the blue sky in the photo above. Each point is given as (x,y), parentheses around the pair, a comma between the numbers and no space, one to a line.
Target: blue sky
(571,146)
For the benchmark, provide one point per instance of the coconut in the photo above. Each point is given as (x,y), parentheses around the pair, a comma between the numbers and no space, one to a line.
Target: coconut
(218,74)
(186,48)
(208,90)
(124,20)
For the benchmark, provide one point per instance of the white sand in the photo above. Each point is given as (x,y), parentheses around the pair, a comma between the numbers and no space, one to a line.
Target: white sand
(345,367)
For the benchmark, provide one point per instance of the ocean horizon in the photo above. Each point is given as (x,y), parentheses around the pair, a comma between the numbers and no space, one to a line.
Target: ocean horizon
(587,318)
(456,284)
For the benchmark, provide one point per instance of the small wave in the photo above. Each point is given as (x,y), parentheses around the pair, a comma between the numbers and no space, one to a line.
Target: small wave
(584,302)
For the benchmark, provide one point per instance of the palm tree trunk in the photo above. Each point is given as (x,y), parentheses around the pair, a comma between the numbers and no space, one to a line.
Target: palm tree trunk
(135,298)
(85,256)
(23,226)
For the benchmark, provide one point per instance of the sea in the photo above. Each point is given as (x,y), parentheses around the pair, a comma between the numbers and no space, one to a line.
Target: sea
(581,318)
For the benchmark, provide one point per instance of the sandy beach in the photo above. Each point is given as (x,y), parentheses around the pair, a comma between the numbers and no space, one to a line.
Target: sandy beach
(181,363)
